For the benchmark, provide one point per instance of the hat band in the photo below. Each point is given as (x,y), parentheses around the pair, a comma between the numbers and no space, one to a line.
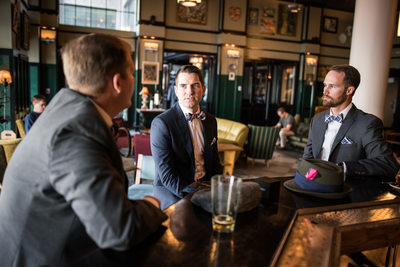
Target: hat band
(313,186)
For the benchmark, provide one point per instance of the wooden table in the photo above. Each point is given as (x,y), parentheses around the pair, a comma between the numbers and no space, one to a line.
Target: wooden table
(229,156)
(288,230)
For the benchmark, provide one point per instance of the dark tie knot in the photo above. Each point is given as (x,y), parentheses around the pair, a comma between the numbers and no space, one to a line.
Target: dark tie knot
(338,118)
(200,116)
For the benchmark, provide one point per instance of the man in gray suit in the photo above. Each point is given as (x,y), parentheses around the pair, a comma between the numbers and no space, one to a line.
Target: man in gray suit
(346,135)
(64,192)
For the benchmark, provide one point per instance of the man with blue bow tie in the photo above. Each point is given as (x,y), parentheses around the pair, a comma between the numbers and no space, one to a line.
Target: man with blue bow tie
(346,135)
(184,140)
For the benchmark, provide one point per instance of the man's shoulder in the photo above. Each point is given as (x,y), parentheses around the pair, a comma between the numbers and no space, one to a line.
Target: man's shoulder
(364,117)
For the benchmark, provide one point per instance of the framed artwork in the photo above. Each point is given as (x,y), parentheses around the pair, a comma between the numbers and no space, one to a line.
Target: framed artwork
(25,31)
(287,21)
(253,16)
(196,14)
(15,17)
(150,72)
(234,13)
(330,24)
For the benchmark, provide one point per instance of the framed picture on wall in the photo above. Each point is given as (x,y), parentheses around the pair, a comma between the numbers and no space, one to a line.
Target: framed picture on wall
(15,17)
(196,14)
(25,31)
(150,72)
(330,24)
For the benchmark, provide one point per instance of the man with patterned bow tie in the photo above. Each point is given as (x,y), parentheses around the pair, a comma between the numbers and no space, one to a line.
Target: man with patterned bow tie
(184,140)
(346,135)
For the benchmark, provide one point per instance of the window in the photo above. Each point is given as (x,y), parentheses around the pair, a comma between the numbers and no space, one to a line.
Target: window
(109,14)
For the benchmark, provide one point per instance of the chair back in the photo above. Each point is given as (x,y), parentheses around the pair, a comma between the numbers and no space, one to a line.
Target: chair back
(145,168)
(8,135)
(141,145)
(262,141)
(9,147)
(20,128)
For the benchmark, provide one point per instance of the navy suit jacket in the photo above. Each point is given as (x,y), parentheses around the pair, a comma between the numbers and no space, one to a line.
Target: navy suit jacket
(365,154)
(172,149)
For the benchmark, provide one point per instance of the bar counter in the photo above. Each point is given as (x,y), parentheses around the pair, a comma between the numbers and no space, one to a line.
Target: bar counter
(264,235)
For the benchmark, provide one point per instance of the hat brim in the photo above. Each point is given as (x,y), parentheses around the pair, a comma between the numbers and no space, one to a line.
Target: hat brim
(291,185)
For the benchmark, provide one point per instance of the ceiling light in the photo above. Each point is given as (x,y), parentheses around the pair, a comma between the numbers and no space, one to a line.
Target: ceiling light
(189,3)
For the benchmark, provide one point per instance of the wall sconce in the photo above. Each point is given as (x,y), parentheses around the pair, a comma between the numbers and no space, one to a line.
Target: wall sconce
(5,79)
(196,61)
(48,35)
(231,53)
(189,3)
(311,60)
(150,46)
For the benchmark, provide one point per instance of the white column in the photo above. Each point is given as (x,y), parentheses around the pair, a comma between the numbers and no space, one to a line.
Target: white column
(371,49)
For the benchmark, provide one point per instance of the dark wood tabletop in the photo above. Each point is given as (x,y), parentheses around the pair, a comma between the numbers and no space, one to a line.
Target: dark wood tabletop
(187,239)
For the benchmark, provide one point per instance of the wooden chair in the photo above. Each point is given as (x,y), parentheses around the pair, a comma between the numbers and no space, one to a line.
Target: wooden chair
(145,170)
(141,145)
(262,142)
(124,139)
(9,147)
(21,128)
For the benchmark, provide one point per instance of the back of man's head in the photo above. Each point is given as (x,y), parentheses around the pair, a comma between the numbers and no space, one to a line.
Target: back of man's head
(38,98)
(91,60)
(352,76)
(190,69)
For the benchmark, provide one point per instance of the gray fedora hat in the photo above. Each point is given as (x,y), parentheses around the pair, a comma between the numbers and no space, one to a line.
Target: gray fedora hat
(319,178)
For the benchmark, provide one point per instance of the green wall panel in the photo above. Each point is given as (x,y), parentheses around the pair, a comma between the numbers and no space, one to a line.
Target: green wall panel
(48,77)
(33,80)
(230,99)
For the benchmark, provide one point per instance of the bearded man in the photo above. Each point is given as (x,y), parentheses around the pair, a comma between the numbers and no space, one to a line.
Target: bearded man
(346,135)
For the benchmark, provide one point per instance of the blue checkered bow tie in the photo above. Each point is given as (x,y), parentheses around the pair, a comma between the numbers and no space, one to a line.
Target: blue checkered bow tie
(338,118)
(200,116)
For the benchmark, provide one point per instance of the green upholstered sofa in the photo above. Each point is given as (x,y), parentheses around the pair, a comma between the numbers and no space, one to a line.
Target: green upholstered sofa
(231,132)
(299,140)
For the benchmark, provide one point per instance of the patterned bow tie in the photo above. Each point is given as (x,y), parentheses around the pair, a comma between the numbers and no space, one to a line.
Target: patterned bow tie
(338,118)
(200,116)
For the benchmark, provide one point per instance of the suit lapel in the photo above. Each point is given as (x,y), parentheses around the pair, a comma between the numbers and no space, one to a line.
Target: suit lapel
(346,125)
(183,129)
(320,127)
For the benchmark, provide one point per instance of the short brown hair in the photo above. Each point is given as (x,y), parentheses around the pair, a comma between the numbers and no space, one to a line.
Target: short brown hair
(281,109)
(38,98)
(351,75)
(190,69)
(91,60)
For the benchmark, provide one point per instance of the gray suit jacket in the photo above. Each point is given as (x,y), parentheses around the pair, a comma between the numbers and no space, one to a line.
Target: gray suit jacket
(172,149)
(368,153)
(64,191)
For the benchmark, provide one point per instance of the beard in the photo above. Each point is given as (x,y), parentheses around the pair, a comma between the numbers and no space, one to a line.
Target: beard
(335,102)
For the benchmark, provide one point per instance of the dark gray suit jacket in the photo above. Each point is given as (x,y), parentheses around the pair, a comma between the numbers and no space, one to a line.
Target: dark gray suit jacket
(64,191)
(367,155)
(172,149)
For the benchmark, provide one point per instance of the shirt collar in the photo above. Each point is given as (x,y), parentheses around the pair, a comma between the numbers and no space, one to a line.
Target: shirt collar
(107,119)
(344,111)
(186,111)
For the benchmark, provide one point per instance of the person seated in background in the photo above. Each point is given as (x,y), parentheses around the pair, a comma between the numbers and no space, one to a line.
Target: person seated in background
(346,135)
(64,192)
(39,103)
(184,140)
(287,123)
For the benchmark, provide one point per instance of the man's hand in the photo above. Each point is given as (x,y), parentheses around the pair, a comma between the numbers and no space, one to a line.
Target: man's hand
(153,201)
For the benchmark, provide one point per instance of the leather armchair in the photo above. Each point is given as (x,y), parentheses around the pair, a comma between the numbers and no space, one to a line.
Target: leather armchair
(231,132)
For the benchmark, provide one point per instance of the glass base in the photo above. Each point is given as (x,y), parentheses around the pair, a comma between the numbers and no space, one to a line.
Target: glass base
(223,223)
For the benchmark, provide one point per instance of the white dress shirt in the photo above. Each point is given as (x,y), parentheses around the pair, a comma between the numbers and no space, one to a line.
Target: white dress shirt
(331,132)
(196,133)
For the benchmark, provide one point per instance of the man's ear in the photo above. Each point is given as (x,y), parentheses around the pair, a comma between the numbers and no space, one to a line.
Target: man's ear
(116,82)
(204,89)
(350,90)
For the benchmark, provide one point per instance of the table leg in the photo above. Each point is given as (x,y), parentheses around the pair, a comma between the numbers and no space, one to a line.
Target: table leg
(229,162)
